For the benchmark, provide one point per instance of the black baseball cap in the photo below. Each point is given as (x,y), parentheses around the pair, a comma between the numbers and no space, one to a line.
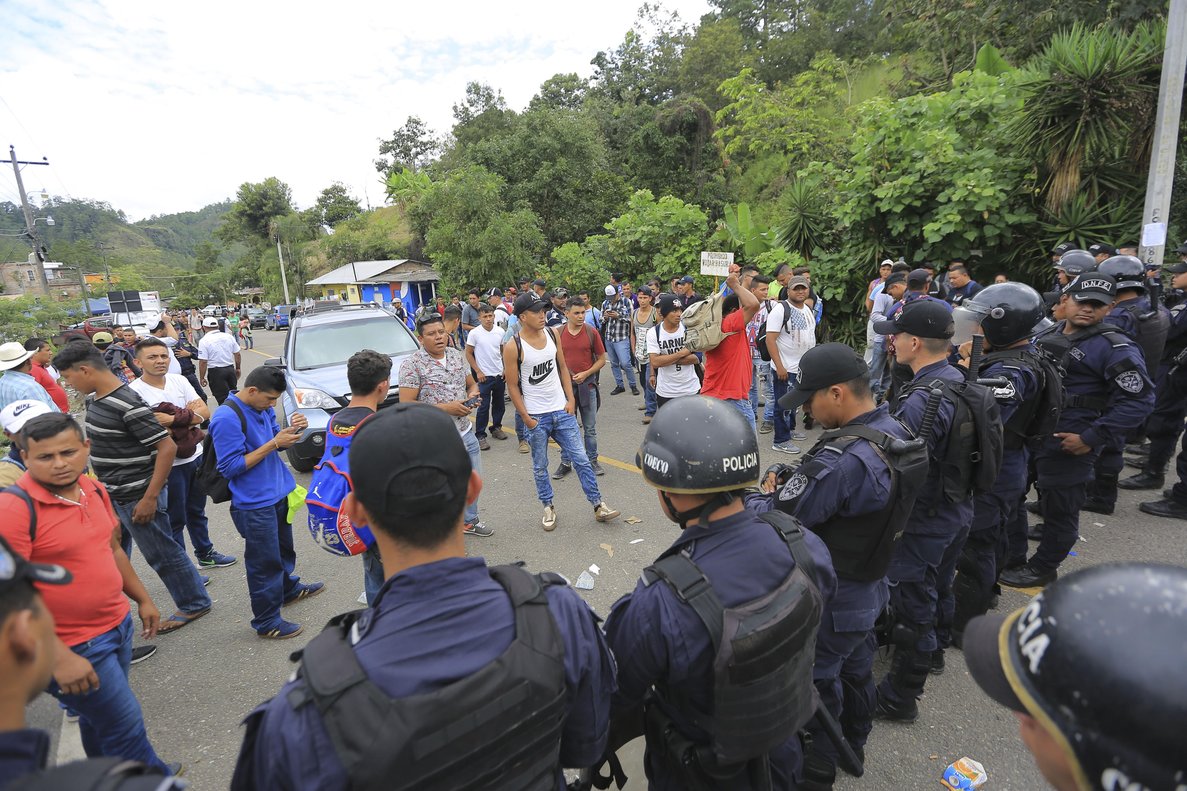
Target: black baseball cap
(894,279)
(823,366)
(494,292)
(1061,248)
(1175,268)
(1092,287)
(15,570)
(539,282)
(529,301)
(923,318)
(670,302)
(1102,247)
(918,276)
(687,279)
(410,452)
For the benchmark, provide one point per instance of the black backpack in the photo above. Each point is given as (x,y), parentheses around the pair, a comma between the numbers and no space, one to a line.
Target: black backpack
(99,774)
(974,450)
(760,338)
(217,487)
(1038,417)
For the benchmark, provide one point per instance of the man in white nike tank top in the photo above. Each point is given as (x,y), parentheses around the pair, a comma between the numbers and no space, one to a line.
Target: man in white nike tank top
(540,388)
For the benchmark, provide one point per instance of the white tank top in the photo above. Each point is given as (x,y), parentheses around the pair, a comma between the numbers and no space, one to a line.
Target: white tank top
(539,379)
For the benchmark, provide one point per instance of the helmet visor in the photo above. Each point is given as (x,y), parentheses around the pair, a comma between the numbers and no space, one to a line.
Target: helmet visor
(968,323)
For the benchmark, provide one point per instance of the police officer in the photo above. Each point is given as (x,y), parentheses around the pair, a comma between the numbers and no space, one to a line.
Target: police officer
(1170,399)
(460,675)
(705,729)
(1092,669)
(1008,316)
(854,489)
(1108,394)
(922,333)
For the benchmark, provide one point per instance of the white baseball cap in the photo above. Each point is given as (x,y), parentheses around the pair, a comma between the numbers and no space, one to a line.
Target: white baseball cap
(610,291)
(210,321)
(14,416)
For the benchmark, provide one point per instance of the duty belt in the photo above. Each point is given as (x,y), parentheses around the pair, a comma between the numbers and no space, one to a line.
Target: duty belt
(1096,403)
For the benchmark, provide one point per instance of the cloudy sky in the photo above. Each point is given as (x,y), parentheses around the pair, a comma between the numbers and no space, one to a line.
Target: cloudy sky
(158,107)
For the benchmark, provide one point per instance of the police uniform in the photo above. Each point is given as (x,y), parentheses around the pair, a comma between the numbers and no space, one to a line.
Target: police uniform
(836,485)
(659,641)
(1108,394)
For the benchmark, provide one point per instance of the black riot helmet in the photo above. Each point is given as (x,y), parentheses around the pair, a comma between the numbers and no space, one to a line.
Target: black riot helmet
(1007,313)
(1128,270)
(1076,262)
(1097,660)
(699,445)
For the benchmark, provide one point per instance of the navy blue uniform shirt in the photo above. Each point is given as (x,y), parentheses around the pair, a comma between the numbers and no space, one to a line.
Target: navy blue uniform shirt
(22,753)
(431,626)
(657,638)
(1022,385)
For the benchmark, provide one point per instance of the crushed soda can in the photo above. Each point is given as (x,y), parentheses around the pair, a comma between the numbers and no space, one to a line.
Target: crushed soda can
(964,775)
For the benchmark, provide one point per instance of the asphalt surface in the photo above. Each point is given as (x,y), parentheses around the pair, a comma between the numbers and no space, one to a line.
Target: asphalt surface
(207,676)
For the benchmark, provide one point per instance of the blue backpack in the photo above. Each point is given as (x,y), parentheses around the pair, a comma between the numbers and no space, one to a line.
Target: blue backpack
(331,529)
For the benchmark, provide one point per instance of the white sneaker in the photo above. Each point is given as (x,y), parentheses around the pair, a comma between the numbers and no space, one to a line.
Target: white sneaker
(604,513)
(549,520)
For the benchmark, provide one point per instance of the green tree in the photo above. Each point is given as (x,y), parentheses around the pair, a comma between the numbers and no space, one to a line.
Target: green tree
(255,208)
(715,53)
(560,92)
(411,147)
(645,67)
(27,317)
(580,265)
(662,238)
(741,233)
(335,204)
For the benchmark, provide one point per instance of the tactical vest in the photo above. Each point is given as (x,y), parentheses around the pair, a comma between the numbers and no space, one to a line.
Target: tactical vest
(1153,326)
(763,652)
(499,728)
(1038,416)
(1056,346)
(861,545)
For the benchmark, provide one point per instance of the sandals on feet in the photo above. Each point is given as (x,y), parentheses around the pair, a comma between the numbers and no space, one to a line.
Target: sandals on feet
(178,620)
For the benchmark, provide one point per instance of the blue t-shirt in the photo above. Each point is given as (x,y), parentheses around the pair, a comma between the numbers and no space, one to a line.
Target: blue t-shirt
(267,482)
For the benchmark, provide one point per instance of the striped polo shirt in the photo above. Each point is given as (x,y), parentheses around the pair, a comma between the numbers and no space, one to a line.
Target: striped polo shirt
(123,434)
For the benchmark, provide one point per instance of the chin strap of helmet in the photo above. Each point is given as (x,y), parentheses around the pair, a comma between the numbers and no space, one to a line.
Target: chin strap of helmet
(701,512)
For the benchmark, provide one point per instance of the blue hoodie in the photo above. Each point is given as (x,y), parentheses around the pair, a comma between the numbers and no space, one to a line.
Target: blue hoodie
(266,483)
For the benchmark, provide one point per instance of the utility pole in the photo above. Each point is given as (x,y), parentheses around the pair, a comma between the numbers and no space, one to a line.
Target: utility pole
(284,281)
(38,250)
(103,247)
(1166,132)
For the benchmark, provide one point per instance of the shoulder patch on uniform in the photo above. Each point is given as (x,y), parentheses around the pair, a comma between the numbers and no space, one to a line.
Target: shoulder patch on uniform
(1076,352)
(1005,393)
(794,487)
(1130,382)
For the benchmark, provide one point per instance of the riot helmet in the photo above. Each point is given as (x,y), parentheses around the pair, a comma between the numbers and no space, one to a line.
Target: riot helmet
(1076,262)
(1007,313)
(699,445)
(1128,270)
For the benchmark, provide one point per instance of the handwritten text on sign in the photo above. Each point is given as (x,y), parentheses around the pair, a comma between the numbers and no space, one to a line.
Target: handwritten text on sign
(717,264)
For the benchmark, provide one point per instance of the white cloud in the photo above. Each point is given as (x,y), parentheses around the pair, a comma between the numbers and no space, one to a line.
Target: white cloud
(163,107)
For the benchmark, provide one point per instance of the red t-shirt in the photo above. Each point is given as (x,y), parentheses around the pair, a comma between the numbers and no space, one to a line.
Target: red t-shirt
(729,368)
(51,386)
(77,537)
(581,349)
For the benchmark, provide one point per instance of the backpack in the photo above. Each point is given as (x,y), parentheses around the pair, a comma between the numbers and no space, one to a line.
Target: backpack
(331,529)
(702,324)
(973,456)
(16,491)
(217,486)
(760,338)
(99,774)
(1038,417)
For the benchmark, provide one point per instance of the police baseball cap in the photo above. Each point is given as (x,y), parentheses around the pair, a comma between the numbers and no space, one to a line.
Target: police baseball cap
(15,570)
(528,302)
(823,366)
(1102,248)
(1096,659)
(1182,249)
(1092,287)
(917,276)
(1061,248)
(410,457)
(668,303)
(923,318)
(1176,268)
(14,416)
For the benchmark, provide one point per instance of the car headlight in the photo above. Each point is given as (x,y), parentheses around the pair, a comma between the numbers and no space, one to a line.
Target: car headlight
(315,399)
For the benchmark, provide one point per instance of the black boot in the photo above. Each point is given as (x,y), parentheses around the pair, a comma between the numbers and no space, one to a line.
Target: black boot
(937,662)
(1035,532)
(1034,507)
(1098,506)
(1171,509)
(1027,577)
(1146,479)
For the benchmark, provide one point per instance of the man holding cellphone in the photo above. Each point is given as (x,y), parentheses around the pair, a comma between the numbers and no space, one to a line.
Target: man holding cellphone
(439,375)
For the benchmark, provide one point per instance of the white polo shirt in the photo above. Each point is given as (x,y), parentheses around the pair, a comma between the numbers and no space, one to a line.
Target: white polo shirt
(218,349)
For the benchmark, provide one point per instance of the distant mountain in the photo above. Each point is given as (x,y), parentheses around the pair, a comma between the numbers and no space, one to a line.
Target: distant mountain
(182,232)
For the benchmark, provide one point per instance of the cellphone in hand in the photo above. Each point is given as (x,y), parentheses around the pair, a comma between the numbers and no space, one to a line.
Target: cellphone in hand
(473,402)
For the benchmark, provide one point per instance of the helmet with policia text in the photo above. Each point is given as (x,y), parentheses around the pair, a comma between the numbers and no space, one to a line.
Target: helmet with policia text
(1128,270)
(699,445)
(1097,660)
(1007,313)
(1076,262)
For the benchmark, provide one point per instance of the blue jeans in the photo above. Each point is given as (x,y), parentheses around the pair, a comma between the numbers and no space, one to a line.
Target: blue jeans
(877,367)
(187,507)
(649,405)
(373,577)
(754,385)
(167,558)
(589,428)
(521,431)
(784,419)
(743,406)
(768,391)
(562,427)
(269,558)
(493,407)
(109,718)
(619,353)
(475,452)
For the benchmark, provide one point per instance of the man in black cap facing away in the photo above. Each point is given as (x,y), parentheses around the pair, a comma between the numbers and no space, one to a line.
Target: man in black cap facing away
(460,675)
(1107,394)
(943,511)
(1092,669)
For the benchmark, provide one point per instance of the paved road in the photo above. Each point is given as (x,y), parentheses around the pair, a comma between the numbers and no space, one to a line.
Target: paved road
(206,677)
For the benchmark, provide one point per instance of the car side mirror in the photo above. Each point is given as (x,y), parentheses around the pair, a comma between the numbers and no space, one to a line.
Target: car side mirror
(274,362)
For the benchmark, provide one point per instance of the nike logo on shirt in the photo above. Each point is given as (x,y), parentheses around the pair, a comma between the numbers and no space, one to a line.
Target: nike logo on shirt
(540,373)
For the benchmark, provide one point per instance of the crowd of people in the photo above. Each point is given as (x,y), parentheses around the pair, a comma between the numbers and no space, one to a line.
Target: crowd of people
(913,504)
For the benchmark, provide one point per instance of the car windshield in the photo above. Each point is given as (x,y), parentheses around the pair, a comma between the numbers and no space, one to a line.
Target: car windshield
(333,344)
